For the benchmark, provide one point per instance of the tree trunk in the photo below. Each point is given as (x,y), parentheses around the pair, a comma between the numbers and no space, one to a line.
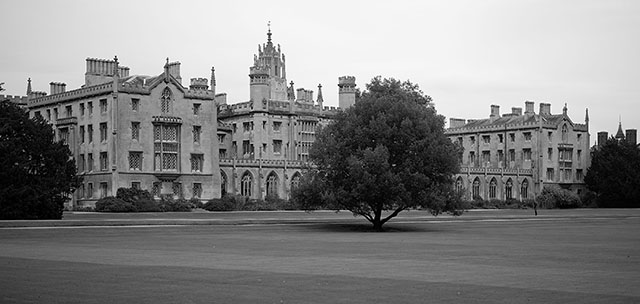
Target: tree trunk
(377,225)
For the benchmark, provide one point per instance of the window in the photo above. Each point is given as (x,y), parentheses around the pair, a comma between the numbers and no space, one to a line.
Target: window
(81,163)
(550,174)
(500,139)
(565,133)
(177,189)
(245,184)
(81,134)
(48,114)
(459,187)
(246,126)
(492,188)
(197,161)
(472,158)
(508,189)
(276,126)
(222,153)
(90,162)
(486,139)
(527,136)
(103,132)
(103,189)
(486,157)
(460,140)
(81,191)
(512,137)
(264,125)
(55,114)
(223,183)
(524,189)
(475,189)
(567,174)
(272,185)
(135,104)
(550,153)
(579,156)
(264,148)
(135,185)
(37,114)
(234,149)
(90,107)
(526,154)
(135,161)
(64,135)
(135,130)
(295,181)
(166,145)
(235,128)
(165,101)
(500,156)
(277,147)
(104,161)
(196,134)
(156,189)
(103,106)
(246,148)
(197,190)
(68,111)
(221,138)
(90,133)
(579,175)
(196,109)
(550,136)
(89,190)
(472,140)
(82,109)
(579,138)
(512,155)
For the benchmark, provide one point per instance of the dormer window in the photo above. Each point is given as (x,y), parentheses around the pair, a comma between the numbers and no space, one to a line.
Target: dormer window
(165,101)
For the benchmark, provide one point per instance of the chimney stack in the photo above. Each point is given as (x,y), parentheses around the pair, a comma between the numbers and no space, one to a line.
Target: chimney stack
(545,109)
(174,70)
(456,122)
(602,138)
(495,111)
(631,136)
(57,87)
(516,111)
(528,108)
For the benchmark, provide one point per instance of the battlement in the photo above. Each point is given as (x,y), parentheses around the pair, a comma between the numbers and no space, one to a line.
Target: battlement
(15,99)
(199,84)
(41,98)
(347,81)
(258,70)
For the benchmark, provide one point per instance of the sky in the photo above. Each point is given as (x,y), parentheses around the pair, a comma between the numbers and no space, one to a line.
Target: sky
(466,55)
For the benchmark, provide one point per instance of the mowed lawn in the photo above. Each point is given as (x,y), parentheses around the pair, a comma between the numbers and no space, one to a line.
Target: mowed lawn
(491,259)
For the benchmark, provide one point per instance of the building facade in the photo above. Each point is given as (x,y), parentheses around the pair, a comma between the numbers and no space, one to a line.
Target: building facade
(265,142)
(514,155)
(147,132)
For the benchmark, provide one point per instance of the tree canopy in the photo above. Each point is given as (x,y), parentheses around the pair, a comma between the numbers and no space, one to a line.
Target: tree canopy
(386,153)
(37,174)
(614,174)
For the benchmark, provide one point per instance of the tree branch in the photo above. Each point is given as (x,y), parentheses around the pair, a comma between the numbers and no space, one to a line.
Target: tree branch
(394,214)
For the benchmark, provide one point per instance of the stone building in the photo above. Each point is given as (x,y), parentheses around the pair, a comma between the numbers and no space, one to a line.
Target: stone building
(514,155)
(265,142)
(148,132)
(629,135)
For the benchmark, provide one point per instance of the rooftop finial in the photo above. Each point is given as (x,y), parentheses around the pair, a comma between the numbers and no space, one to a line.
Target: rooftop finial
(269,32)
(29,86)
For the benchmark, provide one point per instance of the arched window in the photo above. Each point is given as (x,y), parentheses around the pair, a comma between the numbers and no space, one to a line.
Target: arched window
(509,189)
(165,101)
(492,188)
(476,188)
(272,185)
(565,133)
(223,183)
(524,189)
(295,181)
(459,184)
(245,184)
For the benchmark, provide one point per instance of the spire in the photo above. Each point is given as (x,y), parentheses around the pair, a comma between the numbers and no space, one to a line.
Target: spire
(586,115)
(115,68)
(166,71)
(619,134)
(213,79)
(320,99)
(269,32)
(29,86)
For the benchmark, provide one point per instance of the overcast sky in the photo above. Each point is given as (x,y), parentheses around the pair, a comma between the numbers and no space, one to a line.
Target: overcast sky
(466,55)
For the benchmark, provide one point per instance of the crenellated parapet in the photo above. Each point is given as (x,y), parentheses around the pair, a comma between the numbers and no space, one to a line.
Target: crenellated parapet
(20,100)
(263,163)
(85,92)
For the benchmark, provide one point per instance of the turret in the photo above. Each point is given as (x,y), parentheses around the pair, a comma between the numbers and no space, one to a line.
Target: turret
(346,91)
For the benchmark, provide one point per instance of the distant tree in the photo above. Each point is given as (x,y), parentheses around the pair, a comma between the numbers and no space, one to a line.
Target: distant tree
(614,174)
(386,153)
(37,174)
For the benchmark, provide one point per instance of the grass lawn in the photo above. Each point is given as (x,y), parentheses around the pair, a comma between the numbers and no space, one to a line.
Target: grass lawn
(495,259)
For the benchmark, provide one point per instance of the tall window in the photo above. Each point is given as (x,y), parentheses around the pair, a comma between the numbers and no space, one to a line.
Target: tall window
(64,135)
(295,181)
(81,191)
(177,189)
(277,147)
(512,155)
(245,184)
(565,133)
(486,139)
(550,153)
(196,134)
(135,130)
(156,189)
(81,109)
(223,183)
(246,148)
(197,161)
(272,185)
(90,162)
(89,190)
(135,104)
(81,163)
(276,126)
(135,161)
(527,136)
(526,154)
(104,161)
(221,138)
(90,133)
(103,132)
(492,188)
(103,106)
(459,187)
(550,174)
(68,111)
(103,189)
(524,189)
(196,109)
(486,157)
(90,107)
(475,189)
(166,142)
(197,190)
(165,101)
(509,189)
(472,158)
(81,134)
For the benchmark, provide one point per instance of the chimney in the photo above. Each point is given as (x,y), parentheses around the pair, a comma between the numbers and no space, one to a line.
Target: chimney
(199,84)
(57,87)
(528,108)
(301,94)
(631,136)
(456,122)
(602,138)
(516,111)
(174,70)
(495,111)
(545,109)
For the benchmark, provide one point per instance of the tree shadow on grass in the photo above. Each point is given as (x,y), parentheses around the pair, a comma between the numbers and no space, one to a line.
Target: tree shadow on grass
(368,228)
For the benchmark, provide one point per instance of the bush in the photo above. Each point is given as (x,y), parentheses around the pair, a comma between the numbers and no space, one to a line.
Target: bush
(168,204)
(226,203)
(555,197)
(113,204)
(241,203)
(196,203)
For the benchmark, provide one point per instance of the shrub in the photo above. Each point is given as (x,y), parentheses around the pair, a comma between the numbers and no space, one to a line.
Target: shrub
(113,204)
(226,203)
(555,197)
(168,204)
(196,203)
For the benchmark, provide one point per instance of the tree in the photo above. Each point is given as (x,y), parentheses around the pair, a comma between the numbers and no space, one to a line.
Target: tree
(386,153)
(615,174)
(37,174)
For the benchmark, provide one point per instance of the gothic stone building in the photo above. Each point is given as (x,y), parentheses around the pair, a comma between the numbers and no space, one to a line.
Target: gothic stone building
(265,142)
(514,155)
(146,132)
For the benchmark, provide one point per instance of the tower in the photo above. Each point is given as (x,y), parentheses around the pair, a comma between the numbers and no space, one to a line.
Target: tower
(346,91)
(268,75)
